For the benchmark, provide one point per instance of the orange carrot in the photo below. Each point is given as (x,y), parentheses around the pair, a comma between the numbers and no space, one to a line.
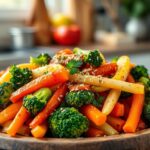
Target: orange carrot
(40,130)
(77,87)
(64,51)
(118,110)
(104,70)
(18,121)
(52,104)
(49,80)
(93,132)
(116,123)
(130,79)
(134,114)
(9,112)
(93,114)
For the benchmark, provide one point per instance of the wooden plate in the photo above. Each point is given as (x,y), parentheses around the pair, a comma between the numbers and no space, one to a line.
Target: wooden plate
(137,141)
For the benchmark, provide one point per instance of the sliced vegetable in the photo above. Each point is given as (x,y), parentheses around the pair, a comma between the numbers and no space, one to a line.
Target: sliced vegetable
(121,74)
(64,51)
(40,130)
(18,121)
(10,112)
(134,114)
(77,87)
(103,70)
(93,132)
(46,69)
(52,104)
(93,114)
(107,129)
(47,80)
(116,123)
(24,130)
(118,110)
(108,83)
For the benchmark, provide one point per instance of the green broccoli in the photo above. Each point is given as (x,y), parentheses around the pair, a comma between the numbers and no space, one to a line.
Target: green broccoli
(146,83)
(5,91)
(94,58)
(139,71)
(79,98)
(68,122)
(34,103)
(19,77)
(41,60)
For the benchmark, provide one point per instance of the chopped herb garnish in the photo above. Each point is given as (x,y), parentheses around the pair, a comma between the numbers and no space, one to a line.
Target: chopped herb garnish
(74,65)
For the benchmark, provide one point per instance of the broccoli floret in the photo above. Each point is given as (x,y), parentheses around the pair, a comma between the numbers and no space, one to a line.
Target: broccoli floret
(68,122)
(19,77)
(146,83)
(79,98)
(5,91)
(146,112)
(41,60)
(94,58)
(139,71)
(34,103)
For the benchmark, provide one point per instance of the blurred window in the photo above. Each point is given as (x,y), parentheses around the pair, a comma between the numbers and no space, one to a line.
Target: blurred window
(14,4)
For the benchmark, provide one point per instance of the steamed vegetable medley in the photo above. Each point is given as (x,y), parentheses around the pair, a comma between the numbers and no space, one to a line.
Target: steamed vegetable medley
(74,94)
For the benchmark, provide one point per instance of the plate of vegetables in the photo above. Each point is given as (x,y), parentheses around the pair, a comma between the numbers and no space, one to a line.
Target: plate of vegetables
(75,100)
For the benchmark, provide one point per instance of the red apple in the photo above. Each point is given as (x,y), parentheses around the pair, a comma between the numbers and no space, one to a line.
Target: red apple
(67,35)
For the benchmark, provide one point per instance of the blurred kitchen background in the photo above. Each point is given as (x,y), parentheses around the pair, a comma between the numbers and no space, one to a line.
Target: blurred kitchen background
(115,27)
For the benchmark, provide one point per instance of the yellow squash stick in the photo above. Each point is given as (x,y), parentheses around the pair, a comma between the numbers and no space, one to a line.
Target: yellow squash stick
(107,129)
(116,76)
(108,83)
(45,69)
(6,76)
(121,74)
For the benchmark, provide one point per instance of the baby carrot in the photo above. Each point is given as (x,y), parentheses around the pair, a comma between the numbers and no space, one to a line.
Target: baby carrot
(40,130)
(18,121)
(134,113)
(52,104)
(116,123)
(93,114)
(9,112)
(49,80)
(93,132)
(118,110)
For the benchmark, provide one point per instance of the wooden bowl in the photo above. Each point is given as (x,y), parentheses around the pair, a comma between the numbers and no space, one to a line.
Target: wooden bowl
(137,141)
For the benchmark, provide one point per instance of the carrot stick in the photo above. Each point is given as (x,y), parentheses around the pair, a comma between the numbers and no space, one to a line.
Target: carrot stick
(23,130)
(77,87)
(116,123)
(93,132)
(93,114)
(134,114)
(52,104)
(9,112)
(118,110)
(64,51)
(104,70)
(18,121)
(49,80)
(40,130)
(130,79)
